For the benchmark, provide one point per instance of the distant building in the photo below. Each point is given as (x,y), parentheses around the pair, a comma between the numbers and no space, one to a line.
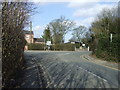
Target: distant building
(39,40)
(29,36)
(75,42)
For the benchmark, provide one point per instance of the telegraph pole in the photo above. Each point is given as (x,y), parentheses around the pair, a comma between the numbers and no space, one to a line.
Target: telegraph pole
(31,31)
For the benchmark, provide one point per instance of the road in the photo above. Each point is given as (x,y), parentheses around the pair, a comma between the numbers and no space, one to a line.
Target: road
(66,69)
(0,67)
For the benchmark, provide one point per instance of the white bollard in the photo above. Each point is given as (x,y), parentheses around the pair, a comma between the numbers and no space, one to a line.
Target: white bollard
(111,37)
(88,48)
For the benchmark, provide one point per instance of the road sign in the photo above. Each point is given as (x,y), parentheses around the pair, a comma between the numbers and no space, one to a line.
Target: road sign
(83,45)
(48,43)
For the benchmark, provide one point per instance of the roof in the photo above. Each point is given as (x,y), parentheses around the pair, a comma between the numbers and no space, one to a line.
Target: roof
(38,39)
(27,32)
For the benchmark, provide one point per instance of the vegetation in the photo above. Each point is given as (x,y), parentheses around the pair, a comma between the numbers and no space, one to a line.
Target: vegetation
(59,28)
(78,33)
(87,39)
(58,47)
(14,19)
(35,46)
(63,47)
(107,22)
(47,34)
(108,50)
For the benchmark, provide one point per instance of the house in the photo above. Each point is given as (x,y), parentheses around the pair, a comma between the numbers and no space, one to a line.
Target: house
(39,40)
(29,36)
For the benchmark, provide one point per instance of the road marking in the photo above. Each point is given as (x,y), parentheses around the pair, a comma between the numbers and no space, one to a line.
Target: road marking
(92,73)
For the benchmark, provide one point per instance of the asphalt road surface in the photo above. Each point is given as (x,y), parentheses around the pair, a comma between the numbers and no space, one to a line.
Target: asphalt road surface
(0,67)
(66,69)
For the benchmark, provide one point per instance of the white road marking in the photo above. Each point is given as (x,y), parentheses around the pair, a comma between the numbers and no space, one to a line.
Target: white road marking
(92,73)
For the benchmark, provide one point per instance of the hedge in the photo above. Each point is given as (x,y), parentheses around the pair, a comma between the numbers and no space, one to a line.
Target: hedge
(58,47)
(108,50)
(35,46)
(12,53)
(63,47)
(13,41)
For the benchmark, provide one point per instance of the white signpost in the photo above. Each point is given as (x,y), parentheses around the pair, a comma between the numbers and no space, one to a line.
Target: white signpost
(88,48)
(48,43)
(83,45)
(111,37)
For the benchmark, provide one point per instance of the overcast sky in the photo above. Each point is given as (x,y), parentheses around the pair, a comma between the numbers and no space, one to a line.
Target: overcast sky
(82,12)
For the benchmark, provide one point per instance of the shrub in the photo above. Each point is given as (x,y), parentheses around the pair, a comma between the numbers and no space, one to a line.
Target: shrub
(77,45)
(108,50)
(63,47)
(35,46)
(14,17)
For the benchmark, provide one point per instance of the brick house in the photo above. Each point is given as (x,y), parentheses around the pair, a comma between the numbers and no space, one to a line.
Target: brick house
(29,37)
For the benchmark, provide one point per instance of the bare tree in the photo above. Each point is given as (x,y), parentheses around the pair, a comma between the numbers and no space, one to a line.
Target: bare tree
(79,32)
(59,27)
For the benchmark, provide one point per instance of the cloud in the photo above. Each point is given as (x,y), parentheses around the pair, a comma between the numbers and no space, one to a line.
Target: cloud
(37,28)
(86,22)
(73,0)
(81,4)
(91,11)
(60,0)
(38,31)
(87,11)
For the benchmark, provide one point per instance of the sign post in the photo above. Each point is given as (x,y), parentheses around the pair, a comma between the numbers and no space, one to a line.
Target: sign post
(48,44)
(111,37)
(88,48)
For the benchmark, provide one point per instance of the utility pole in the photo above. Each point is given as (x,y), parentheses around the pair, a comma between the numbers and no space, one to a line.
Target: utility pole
(31,31)
(30,25)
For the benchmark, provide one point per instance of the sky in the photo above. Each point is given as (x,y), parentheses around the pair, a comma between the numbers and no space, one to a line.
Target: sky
(81,12)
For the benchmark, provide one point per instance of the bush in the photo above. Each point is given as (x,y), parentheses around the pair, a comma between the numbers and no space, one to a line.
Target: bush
(14,17)
(63,47)
(35,46)
(77,45)
(108,50)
